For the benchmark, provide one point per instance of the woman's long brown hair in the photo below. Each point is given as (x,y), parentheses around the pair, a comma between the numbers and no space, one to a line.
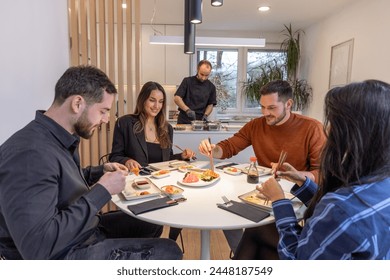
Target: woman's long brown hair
(160,119)
(357,124)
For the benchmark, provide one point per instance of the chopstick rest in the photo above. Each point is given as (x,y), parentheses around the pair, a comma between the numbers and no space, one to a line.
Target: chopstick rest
(151,205)
(244,210)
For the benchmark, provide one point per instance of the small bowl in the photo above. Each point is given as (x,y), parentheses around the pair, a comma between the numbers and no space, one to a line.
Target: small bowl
(161,173)
(141,184)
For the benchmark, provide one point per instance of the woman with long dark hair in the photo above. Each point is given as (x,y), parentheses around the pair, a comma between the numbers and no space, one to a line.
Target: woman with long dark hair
(348,213)
(145,136)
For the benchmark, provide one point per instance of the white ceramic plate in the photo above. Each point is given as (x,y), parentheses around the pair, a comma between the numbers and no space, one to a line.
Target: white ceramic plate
(232,170)
(200,183)
(172,190)
(184,168)
(160,174)
(132,192)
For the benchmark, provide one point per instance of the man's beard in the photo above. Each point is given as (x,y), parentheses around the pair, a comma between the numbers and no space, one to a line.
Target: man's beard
(279,119)
(200,80)
(83,127)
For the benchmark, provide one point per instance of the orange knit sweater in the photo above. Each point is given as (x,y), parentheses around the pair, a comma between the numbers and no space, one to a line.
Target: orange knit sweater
(300,136)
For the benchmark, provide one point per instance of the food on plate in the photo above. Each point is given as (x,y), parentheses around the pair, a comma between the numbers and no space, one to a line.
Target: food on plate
(254,199)
(161,173)
(184,168)
(135,170)
(191,177)
(232,169)
(144,193)
(208,175)
(171,189)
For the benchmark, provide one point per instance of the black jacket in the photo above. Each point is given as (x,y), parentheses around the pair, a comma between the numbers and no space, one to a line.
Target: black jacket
(46,204)
(129,145)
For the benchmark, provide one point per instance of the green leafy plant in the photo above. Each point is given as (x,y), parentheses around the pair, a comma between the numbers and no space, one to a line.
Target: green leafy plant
(291,46)
(265,73)
(288,70)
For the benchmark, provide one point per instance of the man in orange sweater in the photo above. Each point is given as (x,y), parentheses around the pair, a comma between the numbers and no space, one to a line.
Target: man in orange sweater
(278,129)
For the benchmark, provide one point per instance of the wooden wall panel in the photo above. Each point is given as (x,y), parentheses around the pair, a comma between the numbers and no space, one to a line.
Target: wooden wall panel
(101,34)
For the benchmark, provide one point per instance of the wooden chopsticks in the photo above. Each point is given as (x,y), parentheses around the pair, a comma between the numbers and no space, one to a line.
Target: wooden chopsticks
(193,158)
(282,159)
(211,158)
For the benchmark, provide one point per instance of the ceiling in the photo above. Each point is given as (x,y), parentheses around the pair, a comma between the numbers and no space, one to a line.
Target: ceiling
(242,15)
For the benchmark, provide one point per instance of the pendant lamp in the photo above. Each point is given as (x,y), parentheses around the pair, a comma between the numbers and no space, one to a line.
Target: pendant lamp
(189,30)
(196,11)
(216,3)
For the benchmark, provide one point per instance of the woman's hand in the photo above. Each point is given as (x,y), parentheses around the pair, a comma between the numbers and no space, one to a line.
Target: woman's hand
(132,164)
(271,189)
(288,172)
(188,154)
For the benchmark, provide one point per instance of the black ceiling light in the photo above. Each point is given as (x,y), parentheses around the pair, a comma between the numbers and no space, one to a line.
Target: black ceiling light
(216,3)
(196,11)
(189,30)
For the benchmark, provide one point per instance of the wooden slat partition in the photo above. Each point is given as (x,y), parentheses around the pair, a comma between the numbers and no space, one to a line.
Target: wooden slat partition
(101,34)
(121,86)
(94,141)
(85,149)
(129,62)
(103,132)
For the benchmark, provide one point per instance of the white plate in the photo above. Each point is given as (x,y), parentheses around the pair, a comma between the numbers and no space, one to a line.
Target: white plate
(230,170)
(200,183)
(173,190)
(132,192)
(255,199)
(262,169)
(159,174)
(184,168)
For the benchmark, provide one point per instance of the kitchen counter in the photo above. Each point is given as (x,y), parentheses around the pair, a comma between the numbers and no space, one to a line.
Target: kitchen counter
(190,139)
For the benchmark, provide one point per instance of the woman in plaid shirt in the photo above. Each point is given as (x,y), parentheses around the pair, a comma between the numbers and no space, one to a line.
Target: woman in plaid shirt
(348,214)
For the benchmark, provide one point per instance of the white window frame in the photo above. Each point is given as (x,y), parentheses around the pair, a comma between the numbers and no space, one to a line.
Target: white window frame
(241,72)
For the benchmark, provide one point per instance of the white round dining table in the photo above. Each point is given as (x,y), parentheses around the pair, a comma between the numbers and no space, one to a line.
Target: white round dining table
(200,210)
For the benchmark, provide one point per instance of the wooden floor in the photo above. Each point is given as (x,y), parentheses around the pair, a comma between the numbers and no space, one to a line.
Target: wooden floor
(219,249)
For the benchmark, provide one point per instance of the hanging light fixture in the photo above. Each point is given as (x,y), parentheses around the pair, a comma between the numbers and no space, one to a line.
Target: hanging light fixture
(216,3)
(209,41)
(189,29)
(196,11)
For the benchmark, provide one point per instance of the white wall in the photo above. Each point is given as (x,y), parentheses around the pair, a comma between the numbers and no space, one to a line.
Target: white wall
(33,55)
(368,22)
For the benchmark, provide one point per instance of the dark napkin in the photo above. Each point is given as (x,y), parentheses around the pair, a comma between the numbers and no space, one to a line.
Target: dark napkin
(244,210)
(151,205)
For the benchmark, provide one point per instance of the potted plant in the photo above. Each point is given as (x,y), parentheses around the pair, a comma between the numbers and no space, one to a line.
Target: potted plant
(302,91)
(265,73)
